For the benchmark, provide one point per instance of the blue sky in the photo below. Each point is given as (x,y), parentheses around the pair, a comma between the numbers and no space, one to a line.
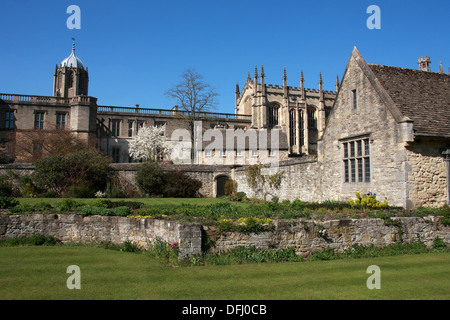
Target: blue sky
(135,50)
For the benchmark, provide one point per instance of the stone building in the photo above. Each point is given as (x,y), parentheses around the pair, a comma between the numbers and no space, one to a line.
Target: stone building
(386,134)
(299,113)
(223,138)
(384,131)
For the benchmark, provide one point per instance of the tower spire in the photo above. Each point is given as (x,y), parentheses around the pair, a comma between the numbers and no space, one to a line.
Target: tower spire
(441,68)
(337,83)
(320,87)
(73,44)
(302,85)
(285,89)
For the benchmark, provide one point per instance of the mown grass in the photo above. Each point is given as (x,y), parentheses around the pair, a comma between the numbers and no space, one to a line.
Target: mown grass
(40,273)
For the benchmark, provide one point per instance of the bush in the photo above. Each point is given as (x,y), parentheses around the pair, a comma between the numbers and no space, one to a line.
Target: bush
(366,201)
(26,186)
(8,202)
(78,174)
(88,210)
(150,178)
(230,187)
(5,186)
(67,205)
(240,196)
(121,211)
(178,184)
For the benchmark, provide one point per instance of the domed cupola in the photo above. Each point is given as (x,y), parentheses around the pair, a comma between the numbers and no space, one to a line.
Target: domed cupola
(72,61)
(71,78)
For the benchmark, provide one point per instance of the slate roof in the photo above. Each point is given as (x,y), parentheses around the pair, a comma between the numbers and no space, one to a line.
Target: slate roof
(422,96)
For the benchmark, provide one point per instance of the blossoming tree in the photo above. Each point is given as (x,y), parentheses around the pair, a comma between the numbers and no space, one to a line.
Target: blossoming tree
(149,144)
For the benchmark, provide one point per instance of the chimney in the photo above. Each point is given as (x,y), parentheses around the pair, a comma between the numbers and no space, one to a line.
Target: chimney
(424,64)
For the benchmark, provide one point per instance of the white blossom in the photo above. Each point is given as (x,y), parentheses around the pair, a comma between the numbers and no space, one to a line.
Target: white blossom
(149,144)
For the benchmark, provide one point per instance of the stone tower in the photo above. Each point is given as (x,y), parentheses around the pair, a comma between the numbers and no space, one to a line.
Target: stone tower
(71,79)
(424,64)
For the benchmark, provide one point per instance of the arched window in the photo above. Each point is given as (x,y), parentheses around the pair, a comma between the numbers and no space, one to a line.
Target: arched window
(273,115)
(70,79)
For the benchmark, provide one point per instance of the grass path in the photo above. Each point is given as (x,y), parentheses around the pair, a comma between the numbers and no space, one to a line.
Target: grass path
(40,273)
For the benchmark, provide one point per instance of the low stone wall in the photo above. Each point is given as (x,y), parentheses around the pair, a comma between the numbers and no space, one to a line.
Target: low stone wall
(305,236)
(308,236)
(79,228)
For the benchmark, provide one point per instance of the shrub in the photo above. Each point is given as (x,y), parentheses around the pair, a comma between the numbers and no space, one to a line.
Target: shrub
(67,205)
(438,244)
(26,186)
(88,210)
(178,184)
(239,196)
(444,212)
(8,202)
(230,187)
(365,201)
(121,211)
(78,174)
(150,178)
(5,186)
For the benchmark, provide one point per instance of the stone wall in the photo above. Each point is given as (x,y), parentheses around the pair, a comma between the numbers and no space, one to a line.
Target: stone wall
(301,180)
(372,120)
(428,174)
(78,228)
(206,174)
(305,236)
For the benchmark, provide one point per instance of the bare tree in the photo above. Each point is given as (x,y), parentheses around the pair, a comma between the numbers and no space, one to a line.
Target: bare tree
(31,145)
(194,99)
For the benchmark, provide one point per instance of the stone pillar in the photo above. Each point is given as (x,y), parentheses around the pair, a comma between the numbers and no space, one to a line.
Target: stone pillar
(305,129)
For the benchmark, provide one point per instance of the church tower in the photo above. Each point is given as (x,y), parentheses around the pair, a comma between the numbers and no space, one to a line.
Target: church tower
(71,79)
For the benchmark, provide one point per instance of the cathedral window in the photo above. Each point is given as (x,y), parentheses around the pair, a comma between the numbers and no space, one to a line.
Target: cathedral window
(357,160)
(312,122)
(273,115)
(70,79)
(292,127)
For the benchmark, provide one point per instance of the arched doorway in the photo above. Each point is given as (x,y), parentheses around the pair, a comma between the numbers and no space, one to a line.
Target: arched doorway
(220,185)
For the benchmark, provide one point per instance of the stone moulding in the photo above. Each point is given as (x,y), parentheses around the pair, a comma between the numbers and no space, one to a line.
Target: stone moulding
(305,236)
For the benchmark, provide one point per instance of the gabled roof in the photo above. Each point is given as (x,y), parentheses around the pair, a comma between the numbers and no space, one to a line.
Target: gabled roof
(422,96)
(414,95)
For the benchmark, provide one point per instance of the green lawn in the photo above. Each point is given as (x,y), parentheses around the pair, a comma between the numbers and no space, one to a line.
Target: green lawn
(40,273)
